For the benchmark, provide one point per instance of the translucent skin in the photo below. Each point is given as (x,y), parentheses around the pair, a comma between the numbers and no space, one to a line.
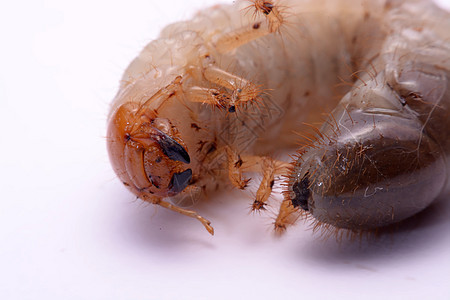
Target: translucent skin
(380,67)
(383,154)
(180,53)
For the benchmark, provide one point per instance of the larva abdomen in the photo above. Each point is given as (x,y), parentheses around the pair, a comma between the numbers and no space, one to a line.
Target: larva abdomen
(383,153)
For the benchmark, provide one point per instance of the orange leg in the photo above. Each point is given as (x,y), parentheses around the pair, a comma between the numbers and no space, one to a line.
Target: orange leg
(240,89)
(269,169)
(287,216)
(273,21)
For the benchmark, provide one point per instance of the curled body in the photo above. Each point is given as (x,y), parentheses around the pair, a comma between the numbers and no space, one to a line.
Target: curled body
(216,96)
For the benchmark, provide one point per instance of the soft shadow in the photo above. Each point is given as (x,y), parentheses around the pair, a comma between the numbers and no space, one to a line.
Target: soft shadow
(155,228)
(427,229)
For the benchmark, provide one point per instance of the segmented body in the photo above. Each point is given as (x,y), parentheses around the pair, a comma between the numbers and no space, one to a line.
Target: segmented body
(389,61)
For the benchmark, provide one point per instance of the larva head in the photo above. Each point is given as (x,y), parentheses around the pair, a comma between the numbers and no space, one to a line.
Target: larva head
(146,153)
(372,170)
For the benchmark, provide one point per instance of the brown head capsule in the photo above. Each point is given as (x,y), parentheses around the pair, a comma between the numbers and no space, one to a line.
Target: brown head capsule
(147,154)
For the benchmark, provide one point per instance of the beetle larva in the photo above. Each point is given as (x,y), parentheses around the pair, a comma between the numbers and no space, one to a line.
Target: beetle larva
(215,96)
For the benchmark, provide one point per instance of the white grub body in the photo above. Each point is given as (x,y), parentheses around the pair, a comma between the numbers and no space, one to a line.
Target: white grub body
(324,52)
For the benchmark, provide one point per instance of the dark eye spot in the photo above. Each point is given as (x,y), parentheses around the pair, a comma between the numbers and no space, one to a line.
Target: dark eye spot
(302,193)
(232,109)
(180,181)
(171,148)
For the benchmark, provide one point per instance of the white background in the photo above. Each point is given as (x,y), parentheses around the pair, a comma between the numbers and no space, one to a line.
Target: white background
(70,230)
